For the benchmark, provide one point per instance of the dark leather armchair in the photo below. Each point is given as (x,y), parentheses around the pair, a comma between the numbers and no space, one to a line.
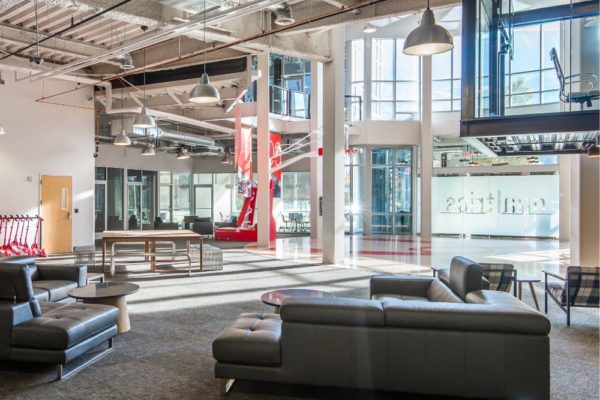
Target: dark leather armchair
(203,226)
(32,331)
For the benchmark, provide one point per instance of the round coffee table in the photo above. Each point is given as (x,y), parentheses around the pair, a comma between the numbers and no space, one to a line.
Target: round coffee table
(109,293)
(275,297)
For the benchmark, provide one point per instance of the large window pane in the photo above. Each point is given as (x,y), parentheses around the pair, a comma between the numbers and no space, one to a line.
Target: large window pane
(383,111)
(382,91)
(407,91)
(382,63)
(456,58)
(407,67)
(441,90)
(525,83)
(181,196)
(550,39)
(526,49)
(525,99)
(441,66)
(357,54)
(382,156)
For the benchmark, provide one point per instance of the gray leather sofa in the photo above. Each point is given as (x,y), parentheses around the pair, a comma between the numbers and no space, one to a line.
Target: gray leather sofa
(478,344)
(51,283)
(52,333)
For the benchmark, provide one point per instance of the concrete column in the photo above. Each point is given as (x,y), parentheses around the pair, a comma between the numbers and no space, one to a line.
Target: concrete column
(564,212)
(316,163)
(585,216)
(426,148)
(333,151)
(263,160)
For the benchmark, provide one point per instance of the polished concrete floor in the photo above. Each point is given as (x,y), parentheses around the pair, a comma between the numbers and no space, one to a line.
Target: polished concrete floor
(410,254)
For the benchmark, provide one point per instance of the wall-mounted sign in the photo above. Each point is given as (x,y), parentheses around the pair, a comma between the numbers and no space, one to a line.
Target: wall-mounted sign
(496,205)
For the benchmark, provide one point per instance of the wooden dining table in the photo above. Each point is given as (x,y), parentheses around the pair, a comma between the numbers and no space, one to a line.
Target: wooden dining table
(150,238)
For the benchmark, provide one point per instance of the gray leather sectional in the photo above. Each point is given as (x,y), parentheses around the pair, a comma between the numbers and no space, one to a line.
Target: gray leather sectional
(51,283)
(415,335)
(48,332)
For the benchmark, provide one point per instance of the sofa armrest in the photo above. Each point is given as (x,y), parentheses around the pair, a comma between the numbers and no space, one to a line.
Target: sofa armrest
(407,285)
(336,311)
(75,273)
(11,314)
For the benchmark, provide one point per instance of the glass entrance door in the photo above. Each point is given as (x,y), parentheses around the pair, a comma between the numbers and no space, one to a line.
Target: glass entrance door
(100,208)
(134,205)
(203,201)
(392,193)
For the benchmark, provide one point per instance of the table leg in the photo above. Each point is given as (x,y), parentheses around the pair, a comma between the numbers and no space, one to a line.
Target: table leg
(201,254)
(535,300)
(153,257)
(123,323)
(146,249)
(520,290)
(103,254)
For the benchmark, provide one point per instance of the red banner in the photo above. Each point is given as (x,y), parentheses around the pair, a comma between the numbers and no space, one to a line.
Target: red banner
(243,155)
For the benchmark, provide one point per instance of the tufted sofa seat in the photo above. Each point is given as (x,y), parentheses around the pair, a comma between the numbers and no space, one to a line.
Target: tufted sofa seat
(253,338)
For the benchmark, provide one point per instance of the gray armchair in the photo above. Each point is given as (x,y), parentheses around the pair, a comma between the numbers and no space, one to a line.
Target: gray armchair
(579,288)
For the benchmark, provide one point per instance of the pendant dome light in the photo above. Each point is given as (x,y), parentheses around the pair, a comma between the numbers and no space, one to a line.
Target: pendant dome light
(428,38)
(143,120)
(126,62)
(369,28)
(122,139)
(2,130)
(148,150)
(182,153)
(283,15)
(204,92)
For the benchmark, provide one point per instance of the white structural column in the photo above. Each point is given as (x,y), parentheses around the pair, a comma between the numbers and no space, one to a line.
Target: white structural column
(564,202)
(585,215)
(316,163)
(262,157)
(426,148)
(333,151)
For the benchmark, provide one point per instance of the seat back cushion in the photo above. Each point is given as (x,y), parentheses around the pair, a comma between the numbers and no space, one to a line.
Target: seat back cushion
(584,285)
(22,260)
(465,276)
(439,292)
(16,285)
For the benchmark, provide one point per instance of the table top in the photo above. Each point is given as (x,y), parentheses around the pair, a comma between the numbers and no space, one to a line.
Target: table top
(528,278)
(104,290)
(275,297)
(151,234)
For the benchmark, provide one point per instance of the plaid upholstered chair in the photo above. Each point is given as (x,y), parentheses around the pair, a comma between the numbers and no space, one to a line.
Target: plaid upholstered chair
(500,277)
(580,288)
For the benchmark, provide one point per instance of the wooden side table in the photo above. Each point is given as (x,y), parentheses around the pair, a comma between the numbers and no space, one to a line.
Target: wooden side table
(529,279)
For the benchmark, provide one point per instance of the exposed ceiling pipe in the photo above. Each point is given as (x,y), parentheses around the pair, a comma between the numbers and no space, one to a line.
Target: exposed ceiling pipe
(161,36)
(234,43)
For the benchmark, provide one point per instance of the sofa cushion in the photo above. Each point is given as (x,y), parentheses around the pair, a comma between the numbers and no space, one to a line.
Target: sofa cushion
(42,295)
(57,290)
(253,338)
(16,286)
(465,276)
(396,297)
(332,311)
(439,292)
(62,327)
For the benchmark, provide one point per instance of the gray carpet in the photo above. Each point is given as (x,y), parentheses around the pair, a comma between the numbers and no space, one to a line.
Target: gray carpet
(167,355)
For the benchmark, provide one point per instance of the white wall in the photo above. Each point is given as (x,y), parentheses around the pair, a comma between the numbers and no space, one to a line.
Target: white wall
(130,157)
(46,139)
(389,133)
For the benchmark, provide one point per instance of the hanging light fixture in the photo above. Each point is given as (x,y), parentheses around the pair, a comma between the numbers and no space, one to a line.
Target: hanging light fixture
(2,130)
(148,150)
(143,120)
(126,62)
(369,28)
(204,92)
(182,153)
(122,139)
(283,15)
(428,38)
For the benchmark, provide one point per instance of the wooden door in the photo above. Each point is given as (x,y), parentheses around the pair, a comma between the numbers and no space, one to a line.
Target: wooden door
(56,209)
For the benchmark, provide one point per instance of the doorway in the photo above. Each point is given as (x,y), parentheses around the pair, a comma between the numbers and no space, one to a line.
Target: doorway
(56,206)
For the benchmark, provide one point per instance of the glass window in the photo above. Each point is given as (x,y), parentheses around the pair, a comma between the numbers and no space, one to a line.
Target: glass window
(100,173)
(203,179)
(445,71)
(181,196)
(382,60)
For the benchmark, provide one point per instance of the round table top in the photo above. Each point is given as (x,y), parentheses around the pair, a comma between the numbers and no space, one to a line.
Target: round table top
(104,290)
(528,278)
(275,297)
